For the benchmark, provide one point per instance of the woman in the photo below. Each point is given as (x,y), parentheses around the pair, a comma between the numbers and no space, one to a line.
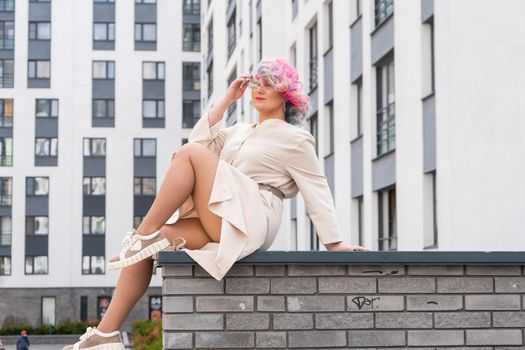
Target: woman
(226,188)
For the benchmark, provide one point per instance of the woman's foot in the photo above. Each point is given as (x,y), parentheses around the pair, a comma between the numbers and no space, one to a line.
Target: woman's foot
(94,339)
(137,247)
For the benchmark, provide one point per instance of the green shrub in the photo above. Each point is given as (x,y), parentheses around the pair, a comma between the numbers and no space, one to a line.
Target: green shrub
(147,335)
(66,326)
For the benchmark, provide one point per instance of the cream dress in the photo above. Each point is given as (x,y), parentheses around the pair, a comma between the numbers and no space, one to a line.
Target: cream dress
(275,153)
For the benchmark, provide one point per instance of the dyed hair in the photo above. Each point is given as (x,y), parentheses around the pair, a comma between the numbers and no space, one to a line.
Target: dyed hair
(282,76)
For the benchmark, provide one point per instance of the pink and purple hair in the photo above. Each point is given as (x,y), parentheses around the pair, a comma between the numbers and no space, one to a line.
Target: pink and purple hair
(281,75)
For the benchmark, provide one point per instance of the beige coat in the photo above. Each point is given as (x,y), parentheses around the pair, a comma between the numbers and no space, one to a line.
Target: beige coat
(273,152)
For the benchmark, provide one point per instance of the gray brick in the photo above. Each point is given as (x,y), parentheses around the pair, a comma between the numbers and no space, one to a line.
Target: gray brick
(176,340)
(316,339)
(181,270)
(247,321)
(316,270)
(376,338)
(293,285)
(270,339)
(235,270)
(270,303)
(403,320)
(222,340)
(462,319)
(465,285)
(225,303)
(177,322)
(373,270)
(434,302)
(269,270)
(347,285)
(192,286)
(344,320)
(510,284)
(494,337)
(508,319)
(177,304)
(406,285)
(435,337)
(293,321)
(254,285)
(492,302)
(493,270)
(375,302)
(435,270)
(315,303)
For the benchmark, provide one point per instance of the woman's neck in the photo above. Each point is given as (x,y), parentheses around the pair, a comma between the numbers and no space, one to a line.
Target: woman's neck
(271,115)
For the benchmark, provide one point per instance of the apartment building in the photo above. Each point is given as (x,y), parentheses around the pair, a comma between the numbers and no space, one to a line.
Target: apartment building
(95,95)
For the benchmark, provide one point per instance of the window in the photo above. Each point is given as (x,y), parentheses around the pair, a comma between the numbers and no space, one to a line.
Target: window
(295,8)
(5,265)
(192,7)
(144,186)
(145,1)
(137,220)
(387,239)
(330,24)
(383,9)
(145,148)
(6,113)
(385,107)
(37,186)
(191,112)
(37,225)
(146,32)
(93,265)
(314,238)
(191,72)
(39,30)
(103,70)
(94,186)
(209,74)
(48,310)
(46,108)
(153,70)
(7,35)
(231,34)
(313,57)
(6,229)
(104,31)
(94,147)
(329,129)
(428,58)
(314,131)
(153,109)
(357,123)
(430,228)
(104,108)
(93,225)
(104,1)
(83,308)
(6,151)
(259,38)
(6,191)
(191,37)
(358,8)
(36,265)
(7,5)
(39,69)
(233,106)
(210,37)
(46,146)
(360,221)
(7,73)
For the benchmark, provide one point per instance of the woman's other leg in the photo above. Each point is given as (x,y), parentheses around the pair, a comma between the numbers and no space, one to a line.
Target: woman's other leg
(191,172)
(134,280)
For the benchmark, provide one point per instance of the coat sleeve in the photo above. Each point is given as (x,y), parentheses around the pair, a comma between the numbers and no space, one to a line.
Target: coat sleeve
(304,168)
(210,136)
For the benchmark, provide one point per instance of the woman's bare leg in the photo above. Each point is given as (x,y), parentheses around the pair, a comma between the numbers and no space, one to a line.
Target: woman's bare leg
(192,172)
(134,280)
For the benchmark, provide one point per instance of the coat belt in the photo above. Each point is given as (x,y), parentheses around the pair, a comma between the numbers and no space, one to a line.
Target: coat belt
(272,189)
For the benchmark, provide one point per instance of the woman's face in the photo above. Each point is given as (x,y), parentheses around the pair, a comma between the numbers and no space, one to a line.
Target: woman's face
(265,99)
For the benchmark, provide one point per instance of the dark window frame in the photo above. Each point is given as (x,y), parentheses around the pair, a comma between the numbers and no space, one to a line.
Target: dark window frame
(33,265)
(107,29)
(107,102)
(37,73)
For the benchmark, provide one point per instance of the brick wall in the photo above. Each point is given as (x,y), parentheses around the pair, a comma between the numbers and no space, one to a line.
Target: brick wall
(344,306)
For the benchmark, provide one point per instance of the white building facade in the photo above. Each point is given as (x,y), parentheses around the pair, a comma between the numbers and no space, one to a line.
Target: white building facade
(95,97)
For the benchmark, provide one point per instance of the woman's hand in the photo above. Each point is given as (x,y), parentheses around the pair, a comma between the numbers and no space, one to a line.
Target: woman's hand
(237,88)
(341,247)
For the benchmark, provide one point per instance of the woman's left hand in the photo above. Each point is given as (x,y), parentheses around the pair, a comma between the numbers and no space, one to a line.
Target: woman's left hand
(341,247)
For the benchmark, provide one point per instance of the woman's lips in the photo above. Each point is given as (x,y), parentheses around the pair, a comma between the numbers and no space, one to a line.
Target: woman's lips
(259,98)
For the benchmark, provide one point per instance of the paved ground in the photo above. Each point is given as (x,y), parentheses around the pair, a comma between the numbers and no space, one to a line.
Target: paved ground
(39,347)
